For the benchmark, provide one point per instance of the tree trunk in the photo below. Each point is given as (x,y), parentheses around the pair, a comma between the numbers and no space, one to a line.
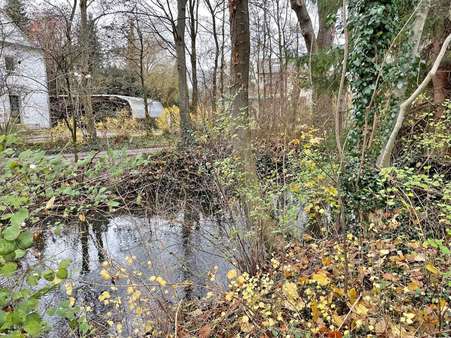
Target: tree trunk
(86,77)
(305,24)
(179,39)
(142,75)
(193,10)
(240,36)
(214,89)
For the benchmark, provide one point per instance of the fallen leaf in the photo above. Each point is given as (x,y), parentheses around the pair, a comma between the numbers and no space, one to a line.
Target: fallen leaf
(232,274)
(334,334)
(290,290)
(321,278)
(432,269)
(380,327)
(50,203)
(205,331)
(361,309)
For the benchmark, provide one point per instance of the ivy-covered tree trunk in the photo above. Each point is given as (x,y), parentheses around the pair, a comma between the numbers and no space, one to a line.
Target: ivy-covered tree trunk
(372,26)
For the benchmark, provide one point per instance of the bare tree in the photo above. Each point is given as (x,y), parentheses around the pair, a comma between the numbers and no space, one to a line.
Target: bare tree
(86,77)
(194,27)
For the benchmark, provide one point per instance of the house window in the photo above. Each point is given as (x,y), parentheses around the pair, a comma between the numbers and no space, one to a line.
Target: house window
(10,64)
(14,104)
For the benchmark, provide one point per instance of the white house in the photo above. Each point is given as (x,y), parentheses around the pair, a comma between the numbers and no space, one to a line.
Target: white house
(23,79)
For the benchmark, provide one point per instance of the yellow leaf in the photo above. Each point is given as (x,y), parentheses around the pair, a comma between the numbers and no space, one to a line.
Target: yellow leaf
(361,309)
(50,203)
(232,274)
(352,294)
(105,274)
(82,217)
(321,278)
(229,296)
(337,320)
(315,311)
(432,269)
(290,290)
(326,261)
(71,301)
(413,286)
(384,252)
(161,281)
(105,295)
(69,289)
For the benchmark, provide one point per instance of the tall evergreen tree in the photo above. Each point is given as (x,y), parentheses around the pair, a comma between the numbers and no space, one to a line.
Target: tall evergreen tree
(15,9)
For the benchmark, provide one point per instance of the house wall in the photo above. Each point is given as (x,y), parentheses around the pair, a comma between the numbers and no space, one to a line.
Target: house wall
(29,82)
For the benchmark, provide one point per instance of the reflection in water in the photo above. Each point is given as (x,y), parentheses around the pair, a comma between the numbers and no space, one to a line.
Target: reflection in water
(191,221)
(179,250)
(84,233)
(98,242)
(183,249)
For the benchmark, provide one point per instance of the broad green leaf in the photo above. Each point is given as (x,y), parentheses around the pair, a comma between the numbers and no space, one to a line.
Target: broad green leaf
(8,269)
(6,247)
(25,240)
(19,253)
(11,232)
(19,217)
(62,273)
(49,275)
(33,279)
(33,325)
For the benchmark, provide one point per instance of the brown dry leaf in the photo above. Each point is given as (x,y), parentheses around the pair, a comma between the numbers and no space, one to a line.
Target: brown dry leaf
(334,334)
(390,277)
(414,285)
(380,327)
(50,203)
(205,331)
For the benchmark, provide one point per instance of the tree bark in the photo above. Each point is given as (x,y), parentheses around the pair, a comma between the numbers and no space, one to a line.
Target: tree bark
(305,24)
(214,89)
(240,36)
(179,39)
(193,12)
(86,77)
